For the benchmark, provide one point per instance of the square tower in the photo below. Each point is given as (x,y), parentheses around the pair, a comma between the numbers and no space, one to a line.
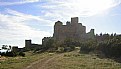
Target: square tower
(27,43)
(74,20)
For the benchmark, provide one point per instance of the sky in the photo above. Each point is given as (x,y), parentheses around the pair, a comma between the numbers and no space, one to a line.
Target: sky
(34,19)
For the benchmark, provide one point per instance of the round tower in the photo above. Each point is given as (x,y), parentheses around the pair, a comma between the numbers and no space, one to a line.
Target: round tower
(57,28)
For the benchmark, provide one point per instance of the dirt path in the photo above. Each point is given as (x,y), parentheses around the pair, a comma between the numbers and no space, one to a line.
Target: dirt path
(43,63)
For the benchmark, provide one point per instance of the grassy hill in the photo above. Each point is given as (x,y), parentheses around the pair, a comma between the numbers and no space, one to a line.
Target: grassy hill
(20,62)
(68,60)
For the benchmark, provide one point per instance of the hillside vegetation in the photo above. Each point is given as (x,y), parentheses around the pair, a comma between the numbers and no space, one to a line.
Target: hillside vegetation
(20,62)
(68,60)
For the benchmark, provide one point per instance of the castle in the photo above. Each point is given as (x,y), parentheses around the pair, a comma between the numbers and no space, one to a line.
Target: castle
(72,30)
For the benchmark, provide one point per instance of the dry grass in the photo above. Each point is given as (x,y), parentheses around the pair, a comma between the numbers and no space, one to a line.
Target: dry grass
(69,60)
(20,62)
(83,61)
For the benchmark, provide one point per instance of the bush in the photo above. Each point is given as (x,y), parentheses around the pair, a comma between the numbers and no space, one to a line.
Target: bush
(111,48)
(11,54)
(87,47)
(22,54)
(69,45)
(2,54)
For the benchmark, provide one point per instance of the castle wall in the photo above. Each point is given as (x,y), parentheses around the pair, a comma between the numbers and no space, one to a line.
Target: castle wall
(30,45)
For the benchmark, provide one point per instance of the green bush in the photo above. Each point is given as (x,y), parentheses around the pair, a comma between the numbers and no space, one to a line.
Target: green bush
(88,46)
(22,54)
(111,48)
(11,54)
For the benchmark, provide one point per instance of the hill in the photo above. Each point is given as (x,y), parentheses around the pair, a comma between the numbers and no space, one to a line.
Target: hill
(68,60)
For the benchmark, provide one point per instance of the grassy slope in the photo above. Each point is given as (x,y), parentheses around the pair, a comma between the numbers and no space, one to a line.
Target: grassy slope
(84,61)
(20,62)
(74,60)
(70,60)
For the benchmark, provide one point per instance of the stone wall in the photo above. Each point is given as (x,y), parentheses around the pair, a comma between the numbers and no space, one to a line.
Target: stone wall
(31,46)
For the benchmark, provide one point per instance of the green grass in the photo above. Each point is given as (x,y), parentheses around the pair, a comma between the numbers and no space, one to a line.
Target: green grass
(68,60)
(20,62)
(83,61)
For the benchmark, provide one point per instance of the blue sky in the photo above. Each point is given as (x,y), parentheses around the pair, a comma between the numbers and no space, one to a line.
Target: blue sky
(34,19)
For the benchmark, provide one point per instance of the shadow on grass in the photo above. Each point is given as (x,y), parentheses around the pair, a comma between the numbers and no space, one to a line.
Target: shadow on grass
(102,56)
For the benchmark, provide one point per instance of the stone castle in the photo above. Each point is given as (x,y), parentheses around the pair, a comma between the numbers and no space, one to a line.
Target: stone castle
(72,30)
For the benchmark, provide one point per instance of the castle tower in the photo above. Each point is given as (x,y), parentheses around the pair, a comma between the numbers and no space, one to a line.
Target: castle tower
(27,43)
(74,20)
(57,29)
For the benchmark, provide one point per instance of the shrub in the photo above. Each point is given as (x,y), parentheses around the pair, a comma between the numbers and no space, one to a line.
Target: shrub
(87,46)
(11,54)
(22,54)
(111,48)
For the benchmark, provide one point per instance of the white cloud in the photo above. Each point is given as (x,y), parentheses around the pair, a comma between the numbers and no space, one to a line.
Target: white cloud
(13,24)
(26,18)
(18,2)
(72,8)
(14,27)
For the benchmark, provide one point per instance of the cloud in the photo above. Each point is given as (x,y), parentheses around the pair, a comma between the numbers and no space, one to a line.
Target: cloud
(18,2)
(116,14)
(14,27)
(26,18)
(72,8)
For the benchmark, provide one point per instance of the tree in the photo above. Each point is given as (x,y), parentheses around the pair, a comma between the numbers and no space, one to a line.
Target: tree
(50,45)
(4,47)
(69,45)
